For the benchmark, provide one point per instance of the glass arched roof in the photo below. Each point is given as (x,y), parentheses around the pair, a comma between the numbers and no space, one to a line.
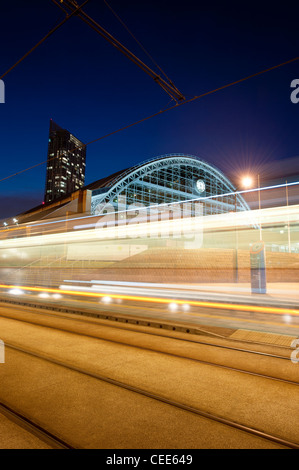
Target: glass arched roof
(164,180)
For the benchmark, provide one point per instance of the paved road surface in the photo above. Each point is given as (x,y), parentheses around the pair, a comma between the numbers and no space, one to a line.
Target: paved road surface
(61,389)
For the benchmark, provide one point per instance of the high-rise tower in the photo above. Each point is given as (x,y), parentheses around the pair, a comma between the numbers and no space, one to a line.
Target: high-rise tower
(65,165)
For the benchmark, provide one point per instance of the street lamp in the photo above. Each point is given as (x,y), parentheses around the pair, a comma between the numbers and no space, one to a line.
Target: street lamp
(247,182)
(289,234)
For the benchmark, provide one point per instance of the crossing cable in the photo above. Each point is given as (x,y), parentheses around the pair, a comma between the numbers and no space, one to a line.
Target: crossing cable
(161,112)
(68,16)
(169,88)
(193,99)
(138,42)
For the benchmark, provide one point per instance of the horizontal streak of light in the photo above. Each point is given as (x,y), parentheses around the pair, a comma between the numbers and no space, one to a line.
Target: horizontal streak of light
(204,315)
(180,226)
(195,303)
(176,226)
(155,206)
(186,287)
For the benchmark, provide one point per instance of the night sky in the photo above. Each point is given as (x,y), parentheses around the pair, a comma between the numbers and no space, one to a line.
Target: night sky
(88,87)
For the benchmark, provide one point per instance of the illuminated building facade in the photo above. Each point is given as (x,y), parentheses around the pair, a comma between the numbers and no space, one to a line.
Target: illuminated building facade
(100,232)
(169,179)
(65,165)
(165,180)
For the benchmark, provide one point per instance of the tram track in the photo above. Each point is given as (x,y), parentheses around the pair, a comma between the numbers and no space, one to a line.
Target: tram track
(33,428)
(63,443)
(167,353)
(118,322)
(178,404)
(132,319)
(108,315)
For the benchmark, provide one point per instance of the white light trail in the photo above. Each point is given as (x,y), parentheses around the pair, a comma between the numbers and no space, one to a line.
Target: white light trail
(199,199)
(16,291)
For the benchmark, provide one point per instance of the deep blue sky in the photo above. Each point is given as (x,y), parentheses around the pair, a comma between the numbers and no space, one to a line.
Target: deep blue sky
(91,89)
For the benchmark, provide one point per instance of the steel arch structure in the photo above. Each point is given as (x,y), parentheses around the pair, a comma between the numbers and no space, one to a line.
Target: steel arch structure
(168,179)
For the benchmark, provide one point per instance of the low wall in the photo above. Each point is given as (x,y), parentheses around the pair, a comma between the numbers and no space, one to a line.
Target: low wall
(162,265)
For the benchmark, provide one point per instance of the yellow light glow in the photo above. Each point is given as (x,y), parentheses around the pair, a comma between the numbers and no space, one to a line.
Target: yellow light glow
(225,306)
(247,182)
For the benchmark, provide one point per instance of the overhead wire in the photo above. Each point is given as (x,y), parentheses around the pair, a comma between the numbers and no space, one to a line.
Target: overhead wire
(137,41)
(194,98)
(68,16)
(169,88)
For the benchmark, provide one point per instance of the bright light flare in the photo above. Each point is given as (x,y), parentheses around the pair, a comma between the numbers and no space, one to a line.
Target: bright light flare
(247,182)
(44,295)
(106,299)
(16,291)
(186,307)
(57,296)
(173,307)
(192,303)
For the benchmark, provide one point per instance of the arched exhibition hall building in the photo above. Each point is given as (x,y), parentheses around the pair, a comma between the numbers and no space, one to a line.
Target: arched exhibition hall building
(217,247)
(164,180)
(167,179)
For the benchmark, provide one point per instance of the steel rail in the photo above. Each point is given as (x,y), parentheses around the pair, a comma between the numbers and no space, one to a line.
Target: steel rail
(140,321)
(241,427)
(171,354)
(35,429)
